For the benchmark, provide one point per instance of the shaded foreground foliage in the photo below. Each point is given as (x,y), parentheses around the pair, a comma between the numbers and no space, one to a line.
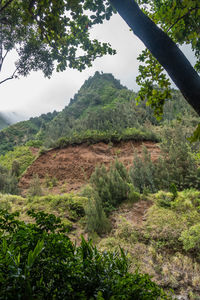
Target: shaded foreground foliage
(39,261)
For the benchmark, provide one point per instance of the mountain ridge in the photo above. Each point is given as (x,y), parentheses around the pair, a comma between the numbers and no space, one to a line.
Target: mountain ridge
(101,104)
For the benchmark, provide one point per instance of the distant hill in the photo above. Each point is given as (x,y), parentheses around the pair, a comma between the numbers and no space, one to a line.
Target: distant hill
(93,107)
(102,104)
(21,132)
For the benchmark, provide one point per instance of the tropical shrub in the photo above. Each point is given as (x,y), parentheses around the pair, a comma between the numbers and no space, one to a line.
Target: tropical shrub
(39,261)
(68,206)
(165,226)
(50,182)
(191,238)
(15,169)
(187,200)
(174,222)
(34,143)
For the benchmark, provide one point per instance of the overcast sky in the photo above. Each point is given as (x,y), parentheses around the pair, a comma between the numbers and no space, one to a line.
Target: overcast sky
(35,94)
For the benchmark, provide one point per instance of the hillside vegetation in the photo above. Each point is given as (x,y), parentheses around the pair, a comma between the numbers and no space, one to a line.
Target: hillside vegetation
(102,107)
(22,132)
(110,171)
(160,233)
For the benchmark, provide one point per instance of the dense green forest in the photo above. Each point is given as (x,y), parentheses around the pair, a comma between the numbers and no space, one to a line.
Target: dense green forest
(21,132)
(165,244)
(103,104)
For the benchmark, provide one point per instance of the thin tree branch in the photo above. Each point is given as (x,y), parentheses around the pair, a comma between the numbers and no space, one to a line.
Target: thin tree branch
(5,5)
(4,56)
(9,78)
(2,60)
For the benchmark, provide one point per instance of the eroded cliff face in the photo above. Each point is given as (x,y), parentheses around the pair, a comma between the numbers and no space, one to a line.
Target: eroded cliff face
(73,166)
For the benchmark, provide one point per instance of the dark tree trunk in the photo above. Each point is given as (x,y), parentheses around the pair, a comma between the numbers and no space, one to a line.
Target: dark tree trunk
(163,49)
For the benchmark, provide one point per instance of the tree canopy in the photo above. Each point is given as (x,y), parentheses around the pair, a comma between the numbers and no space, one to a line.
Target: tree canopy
(55,34)
(51,34)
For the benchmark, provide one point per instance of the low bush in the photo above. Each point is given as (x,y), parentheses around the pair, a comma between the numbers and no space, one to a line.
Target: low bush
(43,150)
(38,261)
(125,231)
(174,222)
(70,206)
(165,226)
(12,202)
(191,238)
(164,199)
(34,143)
(187,201)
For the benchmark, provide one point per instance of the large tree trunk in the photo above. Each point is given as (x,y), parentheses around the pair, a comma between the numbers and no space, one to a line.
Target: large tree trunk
(163,49)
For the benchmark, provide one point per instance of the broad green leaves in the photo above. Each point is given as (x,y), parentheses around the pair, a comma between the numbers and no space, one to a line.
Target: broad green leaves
(39,262)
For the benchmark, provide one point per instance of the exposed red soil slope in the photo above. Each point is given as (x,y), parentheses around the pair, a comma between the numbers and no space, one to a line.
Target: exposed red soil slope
(74,165)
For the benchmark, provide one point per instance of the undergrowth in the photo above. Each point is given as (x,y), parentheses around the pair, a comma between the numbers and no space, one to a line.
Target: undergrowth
(166,244)
(39,261)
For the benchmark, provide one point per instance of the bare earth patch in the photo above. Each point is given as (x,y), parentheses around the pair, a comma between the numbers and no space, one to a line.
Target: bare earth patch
(73,166)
